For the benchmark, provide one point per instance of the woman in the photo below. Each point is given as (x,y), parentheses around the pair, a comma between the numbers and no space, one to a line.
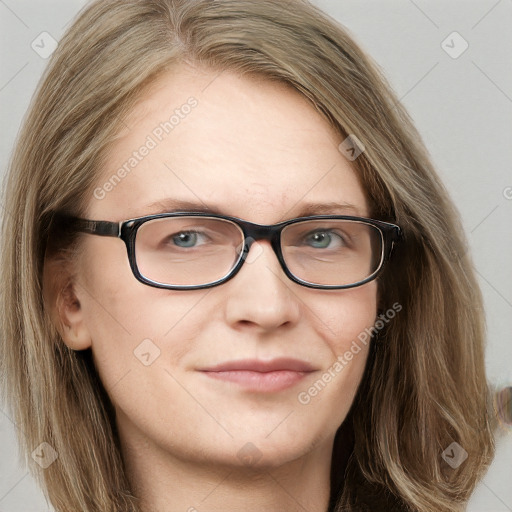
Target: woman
(232,279)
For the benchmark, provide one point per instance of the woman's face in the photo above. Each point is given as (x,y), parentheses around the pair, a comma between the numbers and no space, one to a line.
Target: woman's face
(249,149)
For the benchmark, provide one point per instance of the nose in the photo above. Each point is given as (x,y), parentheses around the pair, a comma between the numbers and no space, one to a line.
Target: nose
(260,295)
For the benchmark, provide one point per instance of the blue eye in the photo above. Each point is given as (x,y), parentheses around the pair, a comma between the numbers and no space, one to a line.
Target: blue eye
(186,239)
(323,239)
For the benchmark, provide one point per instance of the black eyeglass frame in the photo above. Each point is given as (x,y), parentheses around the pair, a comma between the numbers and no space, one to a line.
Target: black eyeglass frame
(127,232)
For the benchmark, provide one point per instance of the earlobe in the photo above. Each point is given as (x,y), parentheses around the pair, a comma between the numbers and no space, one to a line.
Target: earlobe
(76,339)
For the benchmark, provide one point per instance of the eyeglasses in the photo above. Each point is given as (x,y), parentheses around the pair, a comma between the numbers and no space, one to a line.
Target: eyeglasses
(189,250)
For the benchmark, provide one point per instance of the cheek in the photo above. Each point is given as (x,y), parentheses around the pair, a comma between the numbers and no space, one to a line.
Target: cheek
(345,317)
(344,322)
(127,319)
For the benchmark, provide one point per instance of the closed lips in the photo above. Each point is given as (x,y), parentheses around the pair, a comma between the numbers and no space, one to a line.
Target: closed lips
(257,365)
(260,376)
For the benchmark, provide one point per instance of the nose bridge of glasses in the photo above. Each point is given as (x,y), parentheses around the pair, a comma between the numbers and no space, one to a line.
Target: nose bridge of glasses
(259,232)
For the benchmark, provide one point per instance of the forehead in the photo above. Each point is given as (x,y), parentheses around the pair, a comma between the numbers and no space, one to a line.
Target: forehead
(245,146)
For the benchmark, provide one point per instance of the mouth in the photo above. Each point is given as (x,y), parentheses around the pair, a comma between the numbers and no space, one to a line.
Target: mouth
(261,376)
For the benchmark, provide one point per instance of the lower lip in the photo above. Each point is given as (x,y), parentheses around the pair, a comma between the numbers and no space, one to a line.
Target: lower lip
(260,381)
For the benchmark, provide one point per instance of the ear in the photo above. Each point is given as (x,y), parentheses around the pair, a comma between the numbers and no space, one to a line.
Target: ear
(64,306)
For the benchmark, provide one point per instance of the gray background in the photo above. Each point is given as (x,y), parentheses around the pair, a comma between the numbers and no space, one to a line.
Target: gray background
(462,107)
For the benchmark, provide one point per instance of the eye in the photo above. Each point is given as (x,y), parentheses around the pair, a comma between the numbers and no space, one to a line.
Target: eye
(186,239)
(324,239)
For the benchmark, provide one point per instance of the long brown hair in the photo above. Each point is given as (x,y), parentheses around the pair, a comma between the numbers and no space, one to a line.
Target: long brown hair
(425,385)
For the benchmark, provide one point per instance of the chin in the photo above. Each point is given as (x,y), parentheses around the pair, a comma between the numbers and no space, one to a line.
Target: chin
(264,454)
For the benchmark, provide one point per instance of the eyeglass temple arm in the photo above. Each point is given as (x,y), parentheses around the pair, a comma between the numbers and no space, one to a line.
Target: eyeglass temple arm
(396,237)
(96,227)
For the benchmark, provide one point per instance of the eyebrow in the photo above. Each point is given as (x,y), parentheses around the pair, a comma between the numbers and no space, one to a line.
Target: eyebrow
(170,205)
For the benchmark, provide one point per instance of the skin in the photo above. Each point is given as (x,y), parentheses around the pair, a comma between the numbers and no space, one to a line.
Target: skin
(259,151)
